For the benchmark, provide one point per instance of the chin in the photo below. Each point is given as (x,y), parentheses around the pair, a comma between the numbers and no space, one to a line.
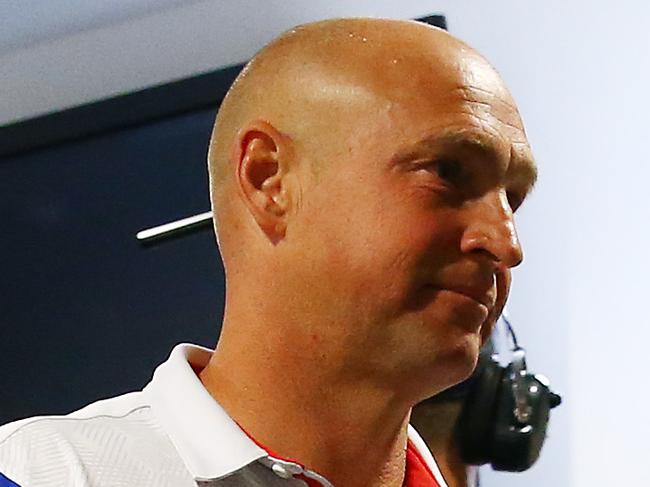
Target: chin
(447,344)
(451,365)
(460,358)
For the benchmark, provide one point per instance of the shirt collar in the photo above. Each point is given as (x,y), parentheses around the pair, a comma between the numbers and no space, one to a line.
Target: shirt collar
(210,443)
(208,440)
(421,447)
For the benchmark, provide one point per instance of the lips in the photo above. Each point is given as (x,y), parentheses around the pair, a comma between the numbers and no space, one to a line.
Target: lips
(485,298)
(484,295)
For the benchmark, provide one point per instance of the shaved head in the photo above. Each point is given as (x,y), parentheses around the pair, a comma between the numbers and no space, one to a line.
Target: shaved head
(325,127)
(320,83)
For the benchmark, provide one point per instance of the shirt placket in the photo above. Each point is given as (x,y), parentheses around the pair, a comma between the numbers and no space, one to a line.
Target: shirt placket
(286,470)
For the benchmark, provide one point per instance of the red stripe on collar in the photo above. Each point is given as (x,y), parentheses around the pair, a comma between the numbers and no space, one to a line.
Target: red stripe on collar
(418,473)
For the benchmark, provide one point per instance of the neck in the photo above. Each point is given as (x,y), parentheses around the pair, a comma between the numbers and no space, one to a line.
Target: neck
(435,422)
(283,394)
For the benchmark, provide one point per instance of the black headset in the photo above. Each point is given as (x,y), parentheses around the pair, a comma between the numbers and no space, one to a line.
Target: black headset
(505,412)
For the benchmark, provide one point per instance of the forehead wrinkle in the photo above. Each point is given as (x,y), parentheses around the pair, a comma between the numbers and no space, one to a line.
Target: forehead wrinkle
(466,94)
(489,105)
(521,167)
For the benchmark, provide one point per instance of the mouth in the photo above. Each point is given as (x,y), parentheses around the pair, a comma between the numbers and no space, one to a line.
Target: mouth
(481,302)
(485,299)
(469,311)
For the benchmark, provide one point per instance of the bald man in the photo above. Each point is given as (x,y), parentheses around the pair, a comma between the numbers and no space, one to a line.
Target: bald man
(363,176)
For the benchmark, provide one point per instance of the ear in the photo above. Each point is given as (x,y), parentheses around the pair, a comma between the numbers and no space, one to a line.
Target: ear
(263,156)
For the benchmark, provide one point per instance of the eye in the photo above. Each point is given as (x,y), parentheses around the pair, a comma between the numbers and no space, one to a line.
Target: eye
(449,170)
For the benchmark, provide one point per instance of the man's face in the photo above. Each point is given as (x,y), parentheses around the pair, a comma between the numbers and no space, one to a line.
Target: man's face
(414,231)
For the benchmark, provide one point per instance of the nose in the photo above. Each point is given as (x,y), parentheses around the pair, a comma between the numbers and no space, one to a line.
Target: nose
(491,230)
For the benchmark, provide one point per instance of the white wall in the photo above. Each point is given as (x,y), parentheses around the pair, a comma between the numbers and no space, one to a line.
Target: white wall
(579,71)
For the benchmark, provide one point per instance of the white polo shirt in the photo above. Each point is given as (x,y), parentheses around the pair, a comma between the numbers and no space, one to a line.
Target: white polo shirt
(172,433)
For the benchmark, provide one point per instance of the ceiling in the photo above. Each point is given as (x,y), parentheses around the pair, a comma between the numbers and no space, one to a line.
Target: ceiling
(57,54)
(30,22)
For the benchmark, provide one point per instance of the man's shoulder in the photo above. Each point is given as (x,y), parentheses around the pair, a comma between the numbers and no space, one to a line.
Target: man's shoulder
(74,449)
(41,427)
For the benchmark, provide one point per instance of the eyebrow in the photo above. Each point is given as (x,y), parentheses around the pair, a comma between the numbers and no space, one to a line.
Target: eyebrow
(522,168)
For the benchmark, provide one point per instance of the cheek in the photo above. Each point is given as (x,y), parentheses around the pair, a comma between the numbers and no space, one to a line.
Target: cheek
(377,245)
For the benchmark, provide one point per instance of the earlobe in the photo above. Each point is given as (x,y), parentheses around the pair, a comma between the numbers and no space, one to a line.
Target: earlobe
(261,165)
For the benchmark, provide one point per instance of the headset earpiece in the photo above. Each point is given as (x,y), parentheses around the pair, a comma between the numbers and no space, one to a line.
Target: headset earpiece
(505,413)
(521,419)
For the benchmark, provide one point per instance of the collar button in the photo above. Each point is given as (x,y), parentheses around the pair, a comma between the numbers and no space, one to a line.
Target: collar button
(281,471)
